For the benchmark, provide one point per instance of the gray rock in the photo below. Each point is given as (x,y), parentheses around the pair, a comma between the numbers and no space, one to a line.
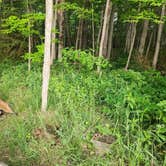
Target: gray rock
(3,164)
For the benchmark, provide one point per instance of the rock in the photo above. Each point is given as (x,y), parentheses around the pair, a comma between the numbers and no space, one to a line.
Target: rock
(3,164)
(102,143)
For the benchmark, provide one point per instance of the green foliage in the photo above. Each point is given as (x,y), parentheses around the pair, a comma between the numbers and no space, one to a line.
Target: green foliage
(80,12)
(36,56)
(23,25)
(83,59)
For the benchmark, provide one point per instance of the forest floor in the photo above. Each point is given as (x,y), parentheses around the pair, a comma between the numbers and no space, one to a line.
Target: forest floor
(117,118)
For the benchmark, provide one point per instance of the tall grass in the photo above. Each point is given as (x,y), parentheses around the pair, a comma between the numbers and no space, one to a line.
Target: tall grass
(128,105)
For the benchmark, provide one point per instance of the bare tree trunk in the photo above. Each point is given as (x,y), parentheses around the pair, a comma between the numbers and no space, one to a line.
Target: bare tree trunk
(61,21)
(104,28)
(128,38)
(110,35)
(105,48)
(29,51)
(85,35)
(100,31)
(47,53)
(80,37)
(149,44)
(29,39)
(53,44)
(104,37)
(93,31)
(77,37)
(160,29)
(143,38)
(67,30)
(134,25)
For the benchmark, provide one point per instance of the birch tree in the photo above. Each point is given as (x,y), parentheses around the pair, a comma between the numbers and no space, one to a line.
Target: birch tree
(47,53)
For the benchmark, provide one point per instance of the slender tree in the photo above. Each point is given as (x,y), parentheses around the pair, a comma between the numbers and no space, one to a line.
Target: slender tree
(160,29)
(143,38)
(133,34)
(54,26)
(110,39)
(47,53)
(61,22)
(105,26)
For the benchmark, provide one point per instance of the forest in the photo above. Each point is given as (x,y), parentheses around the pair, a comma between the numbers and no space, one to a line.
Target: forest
(82,83)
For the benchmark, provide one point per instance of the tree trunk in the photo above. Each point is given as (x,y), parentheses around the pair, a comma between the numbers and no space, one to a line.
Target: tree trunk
(53,44)
(29,51)
(128,38)
(93,31)
(100,31)
(29,39)
(110,35)
(47,53)
(149,44)
(61,21)
(133,34)
(143,38)
(105,28)
(68,42)
(160,29)
(79,35)
(81,31)
(105,48)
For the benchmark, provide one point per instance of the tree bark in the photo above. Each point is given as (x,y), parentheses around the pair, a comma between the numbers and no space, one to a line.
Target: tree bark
(79,35)
(143,38)
(149,44)
(160,29)
(29,39)
(47,53)
(110,35)
(100,31)
(29,51)
(104,29)
(53,44)
(105,48)
(61,21)
(133,25)
(105,26)
(128,38)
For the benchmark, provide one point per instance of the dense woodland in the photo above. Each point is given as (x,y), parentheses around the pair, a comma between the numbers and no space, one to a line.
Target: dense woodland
(83,82)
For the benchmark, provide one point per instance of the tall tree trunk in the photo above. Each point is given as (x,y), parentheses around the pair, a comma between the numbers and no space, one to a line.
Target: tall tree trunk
(105,48)
(81,32)
(53,37)
(110,35)
(29,39)
(29,50)
(93,31)
(100,31)
(103,42)
(104,28)
(143,38)
(160,29)
(47,53)
(61,21)
(79,35)
(149,44)
(128,38)
(67,31)
(134,31)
